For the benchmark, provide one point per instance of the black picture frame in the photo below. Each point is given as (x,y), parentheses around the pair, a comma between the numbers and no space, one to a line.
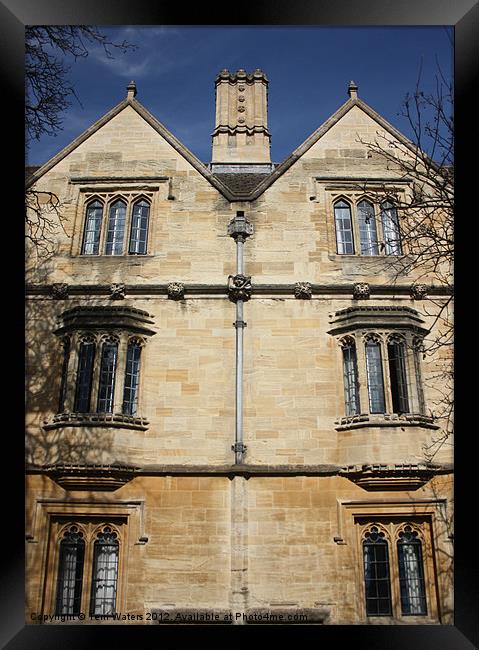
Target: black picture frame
(464,16)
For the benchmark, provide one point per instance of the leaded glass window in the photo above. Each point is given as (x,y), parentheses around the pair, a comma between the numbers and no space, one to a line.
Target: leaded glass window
(350,373)
(417,349)
(398,376)
(139,228)
(367,229)
(376,573)
(63,384)
(411,573)
(105,573)
(86,356)
(70,572)
(132,377)
(375,377)
(116,228)
(107,377)
(390,224)
(344,228)
(91,235)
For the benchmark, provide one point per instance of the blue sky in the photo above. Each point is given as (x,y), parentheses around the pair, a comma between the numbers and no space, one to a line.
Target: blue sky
(308,68)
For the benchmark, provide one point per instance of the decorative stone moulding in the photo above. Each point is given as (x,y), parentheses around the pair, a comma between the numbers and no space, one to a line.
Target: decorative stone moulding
(59,291)
(385,420)
(418,291)
(85,317)
(114,420)
(361,291)
(241,109)
(176,290)
(303,290)
(239,287)
(241,76)
(90,477)
(372,317)
(389,477)
(117,291)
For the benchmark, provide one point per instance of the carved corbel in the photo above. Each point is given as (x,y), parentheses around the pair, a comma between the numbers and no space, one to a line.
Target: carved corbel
(239,287)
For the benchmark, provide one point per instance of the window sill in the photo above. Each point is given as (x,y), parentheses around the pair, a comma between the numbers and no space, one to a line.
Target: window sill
(358,256)
(124,256)
(385,420)
(115,420)
(402,620)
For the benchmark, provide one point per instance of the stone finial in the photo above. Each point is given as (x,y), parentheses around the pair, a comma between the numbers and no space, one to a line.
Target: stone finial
(418,291)
(353,90)
(117,291)
(176,290)
(131,89)
(59,290)
(361,291)
(302,290)
(239,287)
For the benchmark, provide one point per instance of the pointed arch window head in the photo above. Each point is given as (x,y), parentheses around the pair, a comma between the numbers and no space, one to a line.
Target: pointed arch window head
(70,572)
(398,374)
(139,228)
(376,573)
(395,571)
(374,223)
(87,561)
(116,228)
(106,387)
(390,225)
(117,224)
(132,377)
(344,228)
(411,573)
(92,231)
(350,374)
(86,357)
(377,403)
(105,572)
(368,235)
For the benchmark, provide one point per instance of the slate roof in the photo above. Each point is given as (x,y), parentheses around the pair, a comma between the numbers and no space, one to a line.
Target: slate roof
(243,183)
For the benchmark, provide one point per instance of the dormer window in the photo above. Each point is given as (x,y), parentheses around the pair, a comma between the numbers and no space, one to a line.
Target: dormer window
(116,225)
(375,226)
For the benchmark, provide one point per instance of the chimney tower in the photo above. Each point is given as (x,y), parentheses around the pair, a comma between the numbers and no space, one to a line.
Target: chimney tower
(241,133)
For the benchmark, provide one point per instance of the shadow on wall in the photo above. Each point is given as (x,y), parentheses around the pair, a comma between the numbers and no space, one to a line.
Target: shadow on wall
(44,358)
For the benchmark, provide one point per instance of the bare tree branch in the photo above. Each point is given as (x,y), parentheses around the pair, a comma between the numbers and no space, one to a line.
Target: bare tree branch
(48,94)
(426,222)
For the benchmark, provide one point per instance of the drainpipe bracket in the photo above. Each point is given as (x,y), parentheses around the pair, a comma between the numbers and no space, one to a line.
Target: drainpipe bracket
(240,323)
(239,447)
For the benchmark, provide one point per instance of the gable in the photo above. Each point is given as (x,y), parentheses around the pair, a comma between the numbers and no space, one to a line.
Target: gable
(105,145)
(125,145)
(130,136)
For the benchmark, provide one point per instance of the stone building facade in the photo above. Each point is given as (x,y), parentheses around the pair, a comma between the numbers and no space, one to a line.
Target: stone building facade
(227,406)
